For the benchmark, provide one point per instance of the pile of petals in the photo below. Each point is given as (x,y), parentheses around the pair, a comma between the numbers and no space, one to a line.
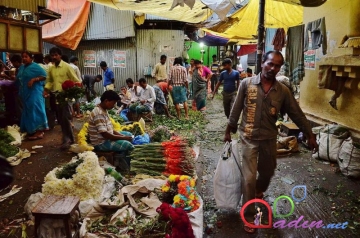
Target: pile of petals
(169,157)
(179,221)
(186,197)
(87,183)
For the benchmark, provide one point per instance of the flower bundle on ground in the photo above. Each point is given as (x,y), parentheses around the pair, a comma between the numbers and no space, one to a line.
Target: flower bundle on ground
(83,133)
(86,183)
(186,196)
(170,157)
(71,92)
(179,221)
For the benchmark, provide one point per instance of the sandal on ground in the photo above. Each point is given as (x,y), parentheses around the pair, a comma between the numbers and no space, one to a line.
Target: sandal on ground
(249,230)
(259,195)
(36,136)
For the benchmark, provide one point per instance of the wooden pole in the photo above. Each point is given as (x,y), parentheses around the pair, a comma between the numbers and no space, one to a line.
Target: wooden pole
(261,33)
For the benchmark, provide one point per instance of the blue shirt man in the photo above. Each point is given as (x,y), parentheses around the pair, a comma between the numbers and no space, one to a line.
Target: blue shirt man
(109,78)
(231,79)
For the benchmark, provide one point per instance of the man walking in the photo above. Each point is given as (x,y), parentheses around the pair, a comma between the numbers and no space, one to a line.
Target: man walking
(178,80)
(159,72)
(109,79)
(59,73)
(260,98)
(215,70)
(231,80)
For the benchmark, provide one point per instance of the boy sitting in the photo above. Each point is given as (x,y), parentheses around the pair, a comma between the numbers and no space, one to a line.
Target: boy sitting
(101,132)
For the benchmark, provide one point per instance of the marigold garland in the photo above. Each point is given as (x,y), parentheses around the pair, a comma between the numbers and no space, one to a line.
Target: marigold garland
(83,133)
(187,198)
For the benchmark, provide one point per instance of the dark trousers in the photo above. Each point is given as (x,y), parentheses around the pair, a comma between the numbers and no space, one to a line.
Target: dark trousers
(214,81)
(228,102)
(64,120)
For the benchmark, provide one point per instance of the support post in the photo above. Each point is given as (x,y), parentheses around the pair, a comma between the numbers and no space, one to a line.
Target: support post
(261,33)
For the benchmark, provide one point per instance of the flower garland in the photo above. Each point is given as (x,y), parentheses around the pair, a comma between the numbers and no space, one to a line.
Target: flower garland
(87,183)
(187,198)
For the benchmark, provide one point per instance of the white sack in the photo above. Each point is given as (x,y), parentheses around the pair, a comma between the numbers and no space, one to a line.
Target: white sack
(227,179)
(349,159)
(197,220)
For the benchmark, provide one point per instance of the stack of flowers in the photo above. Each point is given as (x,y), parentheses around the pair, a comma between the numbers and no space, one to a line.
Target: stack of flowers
(83,139)
(71,92)
(186,197)
(170,157)
(86,183)
(178,219)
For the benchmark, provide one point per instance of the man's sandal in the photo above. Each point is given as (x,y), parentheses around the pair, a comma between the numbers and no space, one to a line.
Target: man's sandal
(249,230)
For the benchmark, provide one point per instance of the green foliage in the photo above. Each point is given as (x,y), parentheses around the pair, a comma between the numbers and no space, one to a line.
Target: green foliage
(69,95)
(68,170)
(196,121)
(87,107)
(6,149)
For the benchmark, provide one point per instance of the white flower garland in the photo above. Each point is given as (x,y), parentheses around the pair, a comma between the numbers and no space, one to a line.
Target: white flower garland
(86,183)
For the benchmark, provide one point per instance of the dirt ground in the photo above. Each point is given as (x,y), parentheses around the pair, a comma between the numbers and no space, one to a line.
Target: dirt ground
(331,197)
(29,175)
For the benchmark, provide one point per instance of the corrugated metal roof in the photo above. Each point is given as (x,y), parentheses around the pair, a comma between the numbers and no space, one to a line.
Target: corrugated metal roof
(108,23)
(151,44)
(155,18)
(30,5)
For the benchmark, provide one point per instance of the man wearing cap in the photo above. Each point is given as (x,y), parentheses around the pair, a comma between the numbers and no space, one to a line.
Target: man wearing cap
(231,79)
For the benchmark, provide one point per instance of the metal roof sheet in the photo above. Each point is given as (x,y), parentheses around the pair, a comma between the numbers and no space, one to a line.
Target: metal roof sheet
(108,23)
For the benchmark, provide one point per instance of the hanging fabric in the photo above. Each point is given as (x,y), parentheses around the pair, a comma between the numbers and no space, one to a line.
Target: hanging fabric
(294,57)
(317,30)
(279,39)
(269,36)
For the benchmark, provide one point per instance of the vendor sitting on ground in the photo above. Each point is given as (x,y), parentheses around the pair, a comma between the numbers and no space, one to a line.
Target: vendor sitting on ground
(160,104)
(125,97)
(135,90)
(146,99)
(101,132)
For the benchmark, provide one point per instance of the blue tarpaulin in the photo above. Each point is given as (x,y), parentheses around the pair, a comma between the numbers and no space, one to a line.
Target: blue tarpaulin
(212,40)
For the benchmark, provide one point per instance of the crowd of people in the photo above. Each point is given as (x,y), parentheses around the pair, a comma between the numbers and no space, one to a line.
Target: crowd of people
(32,82)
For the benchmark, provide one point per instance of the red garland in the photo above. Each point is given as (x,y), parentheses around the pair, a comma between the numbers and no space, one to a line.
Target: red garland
(179,221)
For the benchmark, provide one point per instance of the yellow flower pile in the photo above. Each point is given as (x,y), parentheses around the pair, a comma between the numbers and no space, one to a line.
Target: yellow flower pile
(82,136)
(87,183)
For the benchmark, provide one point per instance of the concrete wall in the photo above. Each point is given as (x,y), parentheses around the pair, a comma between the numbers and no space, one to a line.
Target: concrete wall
(314,101)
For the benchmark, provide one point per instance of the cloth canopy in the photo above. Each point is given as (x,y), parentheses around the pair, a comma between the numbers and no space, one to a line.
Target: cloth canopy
(211,40)
(246,49)
(67,31)
(162,8)
(242,26)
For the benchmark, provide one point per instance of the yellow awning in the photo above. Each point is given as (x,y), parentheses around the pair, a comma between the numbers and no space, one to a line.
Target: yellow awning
(161,8)
(305,3)
(242,25)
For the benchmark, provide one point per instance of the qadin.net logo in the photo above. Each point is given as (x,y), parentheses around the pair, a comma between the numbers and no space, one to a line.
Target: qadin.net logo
(298,223)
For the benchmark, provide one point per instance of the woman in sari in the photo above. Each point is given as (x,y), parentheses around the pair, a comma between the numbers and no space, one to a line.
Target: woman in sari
(200,77)
(31,79)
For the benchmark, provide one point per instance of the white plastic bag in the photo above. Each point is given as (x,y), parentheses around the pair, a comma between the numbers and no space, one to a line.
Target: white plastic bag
(96,101)
(227,179)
